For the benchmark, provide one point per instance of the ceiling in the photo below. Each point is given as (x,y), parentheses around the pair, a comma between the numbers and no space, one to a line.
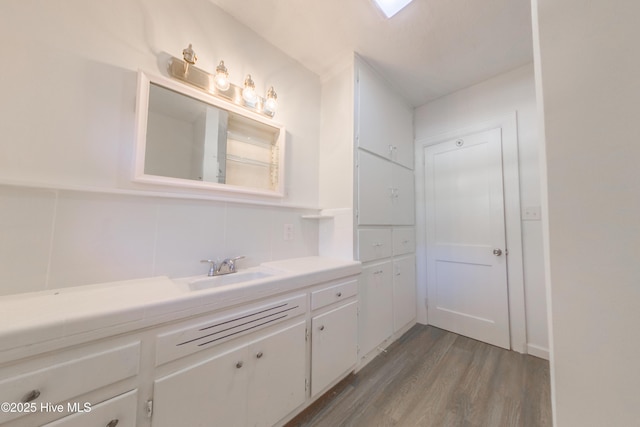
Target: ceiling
(429,49)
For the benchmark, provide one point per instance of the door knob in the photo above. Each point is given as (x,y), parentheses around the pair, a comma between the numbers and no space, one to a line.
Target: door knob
(497,252)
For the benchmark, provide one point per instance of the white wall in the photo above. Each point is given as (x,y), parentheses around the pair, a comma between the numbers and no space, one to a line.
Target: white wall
(336,176)
(67,110)
(495,98)
(588,68)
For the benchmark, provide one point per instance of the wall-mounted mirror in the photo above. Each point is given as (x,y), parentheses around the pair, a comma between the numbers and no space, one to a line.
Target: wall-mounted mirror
(187,138)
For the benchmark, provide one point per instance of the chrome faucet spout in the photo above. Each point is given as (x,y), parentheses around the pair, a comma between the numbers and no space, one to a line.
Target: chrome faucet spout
(227,266)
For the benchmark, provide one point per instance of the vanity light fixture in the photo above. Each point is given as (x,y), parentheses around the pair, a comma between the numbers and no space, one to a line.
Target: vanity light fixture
(218,84)
(249,91)
(270,102)
(221,79)
(189,56)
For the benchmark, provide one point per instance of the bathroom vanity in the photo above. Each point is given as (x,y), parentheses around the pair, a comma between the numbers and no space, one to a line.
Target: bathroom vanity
(194,351)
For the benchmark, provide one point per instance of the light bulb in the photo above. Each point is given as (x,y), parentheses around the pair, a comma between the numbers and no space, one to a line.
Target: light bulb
(221,80)
(271,103)
(249,91)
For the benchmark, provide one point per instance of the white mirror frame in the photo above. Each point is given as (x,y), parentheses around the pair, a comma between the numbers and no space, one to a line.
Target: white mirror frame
(142,108)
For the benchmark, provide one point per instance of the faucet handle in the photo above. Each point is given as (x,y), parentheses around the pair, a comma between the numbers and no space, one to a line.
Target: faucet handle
(233,262)
(212,266)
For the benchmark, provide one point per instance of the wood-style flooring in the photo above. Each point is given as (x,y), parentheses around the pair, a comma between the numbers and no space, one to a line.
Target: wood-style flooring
(431,377)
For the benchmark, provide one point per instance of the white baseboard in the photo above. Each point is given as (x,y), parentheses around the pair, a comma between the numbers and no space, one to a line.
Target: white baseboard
(538,351)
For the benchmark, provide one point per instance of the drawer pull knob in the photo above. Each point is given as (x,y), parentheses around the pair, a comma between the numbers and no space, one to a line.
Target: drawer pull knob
(339,294)
(113,423)
(239,364)
(31,396)
(322,328)
(259,355)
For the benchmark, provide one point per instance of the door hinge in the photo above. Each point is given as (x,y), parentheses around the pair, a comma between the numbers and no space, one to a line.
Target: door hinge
(358,349)
(306,384)
(306,334)
(149,408)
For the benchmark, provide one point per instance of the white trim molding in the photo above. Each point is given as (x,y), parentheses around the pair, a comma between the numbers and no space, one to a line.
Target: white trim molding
(537,351)
(515,270)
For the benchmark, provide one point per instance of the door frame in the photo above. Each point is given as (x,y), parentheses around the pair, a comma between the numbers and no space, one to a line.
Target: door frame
(513,227)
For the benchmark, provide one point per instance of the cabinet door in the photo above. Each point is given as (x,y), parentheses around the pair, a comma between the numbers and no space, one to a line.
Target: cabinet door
(208,392)
(403,211)
(119,411)
(404,291)
(334,337)
(277,381)
(375,190)
(373,131)
(375,322)
(385,121)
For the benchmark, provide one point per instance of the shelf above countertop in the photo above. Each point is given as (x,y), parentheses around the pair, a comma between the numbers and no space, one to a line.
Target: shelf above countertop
(318,216)
(155,193)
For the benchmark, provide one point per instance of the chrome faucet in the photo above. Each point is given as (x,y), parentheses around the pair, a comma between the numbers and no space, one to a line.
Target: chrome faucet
(226,266)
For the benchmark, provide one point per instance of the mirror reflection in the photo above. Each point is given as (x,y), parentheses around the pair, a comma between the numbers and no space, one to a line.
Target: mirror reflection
(189,139)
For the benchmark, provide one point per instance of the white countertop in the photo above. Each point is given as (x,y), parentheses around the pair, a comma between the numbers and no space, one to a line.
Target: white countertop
(90,312)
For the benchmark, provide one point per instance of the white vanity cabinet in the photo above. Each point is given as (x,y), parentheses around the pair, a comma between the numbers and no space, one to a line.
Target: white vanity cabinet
(119,411)
(214,389)
(234,356)
(334,334)
(75,382)
(255,384)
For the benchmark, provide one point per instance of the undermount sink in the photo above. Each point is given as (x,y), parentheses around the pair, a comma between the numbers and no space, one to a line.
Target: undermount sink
(229,279)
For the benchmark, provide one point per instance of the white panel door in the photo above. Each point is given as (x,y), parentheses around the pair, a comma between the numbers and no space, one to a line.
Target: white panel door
(466,254)
(375,190)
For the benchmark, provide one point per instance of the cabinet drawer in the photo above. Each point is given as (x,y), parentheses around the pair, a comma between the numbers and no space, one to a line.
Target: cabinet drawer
(222,327)
(119,411)
(404,241)
(82,373)
(374,244)
(332,294)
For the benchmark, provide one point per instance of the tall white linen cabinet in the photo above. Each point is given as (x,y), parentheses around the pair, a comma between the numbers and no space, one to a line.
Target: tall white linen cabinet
(367,141)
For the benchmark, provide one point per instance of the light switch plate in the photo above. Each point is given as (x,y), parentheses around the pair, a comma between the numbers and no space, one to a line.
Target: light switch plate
(288,232)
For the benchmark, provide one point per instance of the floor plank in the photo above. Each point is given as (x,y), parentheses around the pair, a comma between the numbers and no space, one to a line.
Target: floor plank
(431,377)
